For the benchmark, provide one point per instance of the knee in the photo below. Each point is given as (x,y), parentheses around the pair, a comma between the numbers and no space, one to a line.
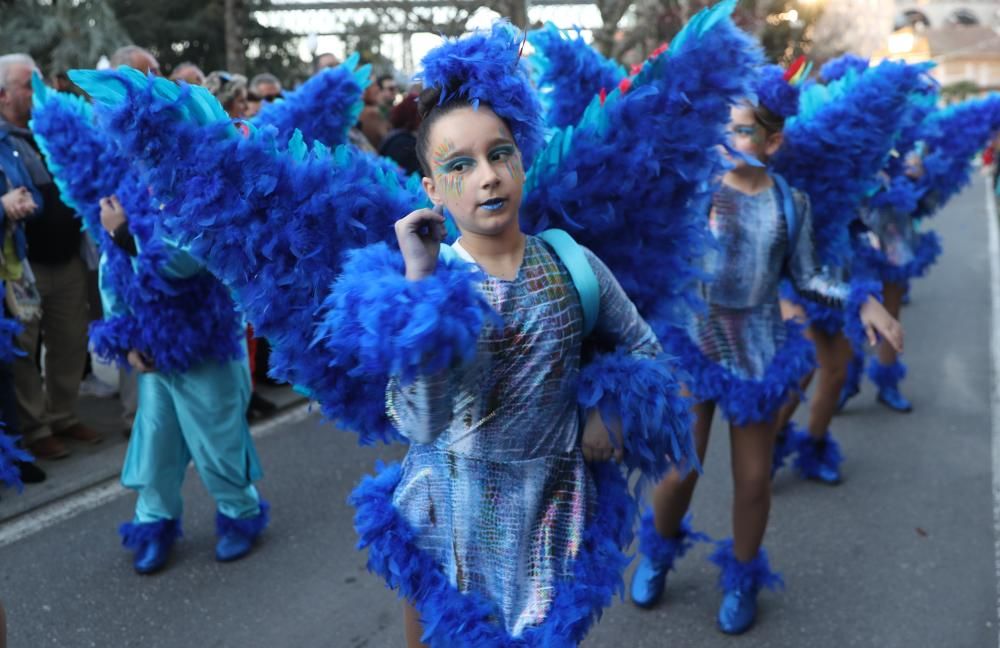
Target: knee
(753,488)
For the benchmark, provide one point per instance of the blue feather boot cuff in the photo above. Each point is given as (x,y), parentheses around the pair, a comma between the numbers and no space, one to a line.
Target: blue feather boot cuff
(238,535)
(887,379)
(740,583)
(658,555)
(819,459)
(151,543)
(785,445)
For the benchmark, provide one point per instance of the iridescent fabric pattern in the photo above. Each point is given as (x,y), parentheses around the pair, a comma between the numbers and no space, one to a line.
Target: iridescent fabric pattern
(739,341)
(494,485)
(893,248)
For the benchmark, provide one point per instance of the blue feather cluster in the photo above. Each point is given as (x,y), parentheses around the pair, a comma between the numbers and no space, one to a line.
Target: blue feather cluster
(270,219)
(847,320)
(643,394)
(323,108)
(666,551)
(453,618)
(569,73)
(925,254)
(633,180)
(744,400)
(953,135)
(744,576)
(841,138)
(9,330)
(839,67)
(382,323)
(486,68)
(775,93)
(178,323)
(10,455)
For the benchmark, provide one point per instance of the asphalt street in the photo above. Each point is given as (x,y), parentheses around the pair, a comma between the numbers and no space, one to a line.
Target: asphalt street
(901,554)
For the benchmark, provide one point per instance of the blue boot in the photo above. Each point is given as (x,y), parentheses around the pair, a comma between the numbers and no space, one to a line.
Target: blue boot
(852,387)
(237,536)
(819,459)
(657,556)
(785,446)
(151,542)
(887,379)
(740,583)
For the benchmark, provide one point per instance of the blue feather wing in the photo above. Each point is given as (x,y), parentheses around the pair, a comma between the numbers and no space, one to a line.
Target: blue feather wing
(271,221)
(323,108)
(840,139)
(569,73)
(634,178)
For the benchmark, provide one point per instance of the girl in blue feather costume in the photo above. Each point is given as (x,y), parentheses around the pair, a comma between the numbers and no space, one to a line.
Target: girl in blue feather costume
(175,324)
(742,356)
(835,148)
(276,226)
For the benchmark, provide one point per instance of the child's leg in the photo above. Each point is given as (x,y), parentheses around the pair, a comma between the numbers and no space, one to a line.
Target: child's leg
(792,311)
(211,403)
(892,299)
(752,447)
(834,354)
(414,629)
(157,456)
(672,496)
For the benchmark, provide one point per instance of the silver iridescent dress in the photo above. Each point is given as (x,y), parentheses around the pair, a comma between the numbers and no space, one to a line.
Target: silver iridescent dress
(739,342)
(494,484)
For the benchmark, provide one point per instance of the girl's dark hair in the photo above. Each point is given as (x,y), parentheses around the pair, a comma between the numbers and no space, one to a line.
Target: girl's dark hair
(431,109)
(769,121)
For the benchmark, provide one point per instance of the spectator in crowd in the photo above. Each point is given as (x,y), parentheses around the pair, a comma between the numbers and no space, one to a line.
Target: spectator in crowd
(54,243)
(189,73)
(323,61)
(401,143)
(135,57)
(388,90)
(374,120)
(263,87)
(230,90)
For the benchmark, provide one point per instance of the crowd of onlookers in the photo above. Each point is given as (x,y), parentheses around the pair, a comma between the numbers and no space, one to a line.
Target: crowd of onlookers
(48,265)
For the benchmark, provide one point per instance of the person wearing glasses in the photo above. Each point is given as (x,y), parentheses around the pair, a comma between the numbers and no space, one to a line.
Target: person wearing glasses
(264,87)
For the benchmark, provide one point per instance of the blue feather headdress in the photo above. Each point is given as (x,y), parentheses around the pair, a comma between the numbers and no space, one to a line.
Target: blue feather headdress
(486,67)
(835,69)
(778,89)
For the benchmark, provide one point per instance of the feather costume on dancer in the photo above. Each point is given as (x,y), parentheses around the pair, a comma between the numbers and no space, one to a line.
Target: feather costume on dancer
(160,302)
(842,136)
(284,195)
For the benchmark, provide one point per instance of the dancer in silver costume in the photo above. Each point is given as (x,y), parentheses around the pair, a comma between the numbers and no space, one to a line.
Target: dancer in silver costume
(743,357)
(494,485)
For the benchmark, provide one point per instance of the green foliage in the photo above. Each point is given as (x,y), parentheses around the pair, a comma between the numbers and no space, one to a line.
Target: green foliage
(61,35)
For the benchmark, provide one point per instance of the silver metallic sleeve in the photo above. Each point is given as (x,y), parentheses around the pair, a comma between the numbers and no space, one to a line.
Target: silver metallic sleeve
(422,410)
(619,322)
(813,280)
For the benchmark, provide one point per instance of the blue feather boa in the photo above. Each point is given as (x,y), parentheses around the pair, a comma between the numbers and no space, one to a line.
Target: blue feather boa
(742,400)
(452,618)
(569,73)
(665,552)
(814,455)
(135,535)
(775,93)
(839,67)
(323,108)
(10,454)
(9,330)
(249,528)
(925,254)
(381,323)
(886,376)
(644,395)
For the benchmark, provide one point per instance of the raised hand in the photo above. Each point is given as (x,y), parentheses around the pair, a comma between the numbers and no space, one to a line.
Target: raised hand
(419,234)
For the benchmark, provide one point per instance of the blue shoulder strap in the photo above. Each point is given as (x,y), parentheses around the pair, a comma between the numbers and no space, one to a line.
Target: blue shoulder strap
(580,271)
(792,219)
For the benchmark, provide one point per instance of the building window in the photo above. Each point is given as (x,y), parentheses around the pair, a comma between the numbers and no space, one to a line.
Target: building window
(963,17)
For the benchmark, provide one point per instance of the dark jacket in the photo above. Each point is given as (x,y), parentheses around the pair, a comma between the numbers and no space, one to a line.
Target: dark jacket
(53,233)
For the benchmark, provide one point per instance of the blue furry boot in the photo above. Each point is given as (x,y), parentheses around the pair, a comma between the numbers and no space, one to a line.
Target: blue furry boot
(887,378)
(237,535)
(852,387)
(819,459)
(740,583)
(658,555)
(151,542)
(785,445)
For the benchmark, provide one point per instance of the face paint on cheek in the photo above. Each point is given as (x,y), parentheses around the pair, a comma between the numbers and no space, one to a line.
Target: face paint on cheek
(515,168)
(440,155)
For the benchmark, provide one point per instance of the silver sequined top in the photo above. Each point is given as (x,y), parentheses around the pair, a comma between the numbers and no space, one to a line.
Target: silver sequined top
(893,232)
(494,483)
(742,328)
